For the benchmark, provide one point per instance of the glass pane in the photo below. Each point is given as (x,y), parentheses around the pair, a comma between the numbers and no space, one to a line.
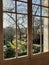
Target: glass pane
(36,1)
(45,2)
(9,5)
(36,35)
(22,34)
(35,10)
(45,34)
(44,11)
(24,0)
(9,35)
(21,7)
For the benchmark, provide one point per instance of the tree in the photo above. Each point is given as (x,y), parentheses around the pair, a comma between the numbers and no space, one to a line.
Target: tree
(9,33)
(9,52)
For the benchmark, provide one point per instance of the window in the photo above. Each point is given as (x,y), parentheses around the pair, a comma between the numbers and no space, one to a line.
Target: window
(24,26)
(36,35)
(15,27)
(9,30)
(9,5)
(22,34)
(40,26)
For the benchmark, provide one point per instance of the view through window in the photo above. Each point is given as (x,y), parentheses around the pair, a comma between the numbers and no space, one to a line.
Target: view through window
(40,26)
(15,27)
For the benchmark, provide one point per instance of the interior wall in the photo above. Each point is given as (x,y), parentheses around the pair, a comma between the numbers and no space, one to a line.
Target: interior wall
(41,59)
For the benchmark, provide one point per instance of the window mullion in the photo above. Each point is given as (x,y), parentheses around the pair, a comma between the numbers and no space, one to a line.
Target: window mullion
(16,27)
(29,28)
(1,31)
(48,25)
(41,27)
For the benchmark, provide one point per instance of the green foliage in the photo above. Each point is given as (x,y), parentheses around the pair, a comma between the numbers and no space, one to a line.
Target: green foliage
(6,42)
(9,33)
(36,48)
(21,45)
(9,52)
(22,53)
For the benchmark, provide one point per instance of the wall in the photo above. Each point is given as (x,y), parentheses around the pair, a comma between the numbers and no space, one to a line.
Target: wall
(41,59)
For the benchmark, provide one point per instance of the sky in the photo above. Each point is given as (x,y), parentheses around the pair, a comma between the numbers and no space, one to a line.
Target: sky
(7,4)
(36,1)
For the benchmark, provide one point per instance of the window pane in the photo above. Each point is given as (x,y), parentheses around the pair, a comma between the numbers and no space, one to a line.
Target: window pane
(9,5)
(22,34)
(21,7)
(35,10)
(9,35)
(45,2)
(44,11)
(45,34)
(24,0)
(36,1)
(36,35)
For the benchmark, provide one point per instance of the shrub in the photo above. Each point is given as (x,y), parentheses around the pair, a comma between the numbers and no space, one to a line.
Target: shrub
(9,52)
